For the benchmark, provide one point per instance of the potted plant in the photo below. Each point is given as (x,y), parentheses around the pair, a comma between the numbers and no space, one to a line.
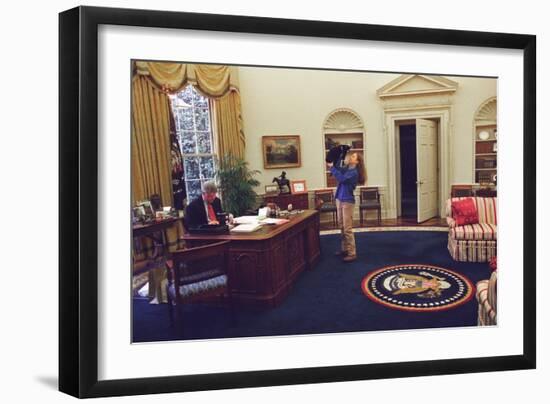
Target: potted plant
(236,183)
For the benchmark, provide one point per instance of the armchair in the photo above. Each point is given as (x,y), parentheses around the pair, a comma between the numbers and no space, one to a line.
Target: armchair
(474,242)
(486,296)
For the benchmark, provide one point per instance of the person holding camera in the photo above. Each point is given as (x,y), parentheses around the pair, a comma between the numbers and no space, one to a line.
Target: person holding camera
(348,177)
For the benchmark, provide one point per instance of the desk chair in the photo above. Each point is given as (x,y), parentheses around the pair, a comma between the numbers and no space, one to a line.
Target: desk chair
(325,203)
(198,273)
(369,199)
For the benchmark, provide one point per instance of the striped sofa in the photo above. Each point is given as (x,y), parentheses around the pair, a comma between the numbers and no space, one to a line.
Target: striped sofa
(474,242)
(486,295)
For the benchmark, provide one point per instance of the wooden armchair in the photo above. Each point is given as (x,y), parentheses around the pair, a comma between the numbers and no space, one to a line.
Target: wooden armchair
(325,203)
(369,198)
(198,273)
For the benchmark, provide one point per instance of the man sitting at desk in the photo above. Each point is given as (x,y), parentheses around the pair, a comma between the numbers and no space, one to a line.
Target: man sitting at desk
(204,209)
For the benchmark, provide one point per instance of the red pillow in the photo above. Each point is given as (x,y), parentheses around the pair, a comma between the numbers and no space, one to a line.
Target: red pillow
(464,212)
(493,263)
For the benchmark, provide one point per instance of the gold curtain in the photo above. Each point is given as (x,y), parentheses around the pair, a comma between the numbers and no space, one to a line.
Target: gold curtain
(151,170)
(169,76)
(228,124)
(217,82)
(211,80)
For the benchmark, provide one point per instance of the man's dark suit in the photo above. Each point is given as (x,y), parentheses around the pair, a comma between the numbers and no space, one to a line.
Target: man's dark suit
(195,212)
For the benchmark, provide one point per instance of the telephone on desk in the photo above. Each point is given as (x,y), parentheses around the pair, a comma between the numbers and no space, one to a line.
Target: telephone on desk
(210,229)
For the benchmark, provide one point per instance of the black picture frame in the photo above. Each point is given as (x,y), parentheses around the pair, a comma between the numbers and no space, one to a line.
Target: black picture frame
(78,196)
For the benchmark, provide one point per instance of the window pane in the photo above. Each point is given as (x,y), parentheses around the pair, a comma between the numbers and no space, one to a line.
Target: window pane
(193,189)
(199,100)
(186,119)
(188,142)
(204,143)
(202,119)
(191,166)
(187,95)
(207,167)
(192,115)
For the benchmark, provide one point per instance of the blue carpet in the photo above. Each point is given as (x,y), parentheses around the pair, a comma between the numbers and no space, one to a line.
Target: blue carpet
(325,300)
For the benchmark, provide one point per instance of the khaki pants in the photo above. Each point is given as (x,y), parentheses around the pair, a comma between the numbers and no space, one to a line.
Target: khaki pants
(345,220)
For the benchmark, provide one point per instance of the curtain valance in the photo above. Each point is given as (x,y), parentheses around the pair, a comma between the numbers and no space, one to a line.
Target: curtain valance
(212,80)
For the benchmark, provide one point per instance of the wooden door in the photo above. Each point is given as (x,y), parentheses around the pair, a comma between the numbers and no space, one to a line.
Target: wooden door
(426,169)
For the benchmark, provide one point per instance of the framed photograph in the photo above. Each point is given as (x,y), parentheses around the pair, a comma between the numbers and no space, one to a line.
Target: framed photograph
(272,189)
(281,151)
(105,93)
(298,186)
(147,208)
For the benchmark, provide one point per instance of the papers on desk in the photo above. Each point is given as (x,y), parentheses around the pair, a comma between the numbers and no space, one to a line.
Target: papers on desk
(246,227)
(248,224)
(270,220)
(245,219)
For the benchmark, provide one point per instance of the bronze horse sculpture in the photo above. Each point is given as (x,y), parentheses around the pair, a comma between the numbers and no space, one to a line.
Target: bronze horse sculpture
(283,183)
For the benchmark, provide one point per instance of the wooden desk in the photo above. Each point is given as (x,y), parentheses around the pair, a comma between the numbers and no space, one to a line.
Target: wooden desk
(264,265)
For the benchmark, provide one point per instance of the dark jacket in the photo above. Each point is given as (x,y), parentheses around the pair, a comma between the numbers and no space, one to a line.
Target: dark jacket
(195,213)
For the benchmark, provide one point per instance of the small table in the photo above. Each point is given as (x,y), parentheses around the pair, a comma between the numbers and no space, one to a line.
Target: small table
(152,229)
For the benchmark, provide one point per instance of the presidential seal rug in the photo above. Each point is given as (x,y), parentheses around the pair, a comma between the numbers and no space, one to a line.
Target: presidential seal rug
(417,287)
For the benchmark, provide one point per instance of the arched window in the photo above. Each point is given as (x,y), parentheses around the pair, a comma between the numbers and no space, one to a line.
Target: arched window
(194,130)
(342,126)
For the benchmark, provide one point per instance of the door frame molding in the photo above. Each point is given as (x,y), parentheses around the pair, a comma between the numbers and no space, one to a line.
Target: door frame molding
(392,116)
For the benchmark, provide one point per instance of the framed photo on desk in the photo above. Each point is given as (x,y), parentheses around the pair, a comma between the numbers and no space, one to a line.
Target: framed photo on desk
(298,186)
(98,356)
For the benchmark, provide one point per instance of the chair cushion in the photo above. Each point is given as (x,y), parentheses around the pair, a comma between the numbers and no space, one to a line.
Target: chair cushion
(464,212)
(369,204)
(201,286)
(476,231)
(486,209)
(327,207)
(200,276)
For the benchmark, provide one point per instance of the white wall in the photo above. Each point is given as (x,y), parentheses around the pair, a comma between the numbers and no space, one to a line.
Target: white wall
(28,165)
(297,101)
(277,101)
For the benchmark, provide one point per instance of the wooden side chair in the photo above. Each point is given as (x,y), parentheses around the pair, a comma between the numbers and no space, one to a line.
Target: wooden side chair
(198,273)
(325,203)
(369,199)
(465,190)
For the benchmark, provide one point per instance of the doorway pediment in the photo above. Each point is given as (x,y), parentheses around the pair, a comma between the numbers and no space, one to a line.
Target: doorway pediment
(415,85)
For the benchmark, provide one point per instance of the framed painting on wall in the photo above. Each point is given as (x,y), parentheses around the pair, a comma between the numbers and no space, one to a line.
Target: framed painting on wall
(97,354)
(281,151)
